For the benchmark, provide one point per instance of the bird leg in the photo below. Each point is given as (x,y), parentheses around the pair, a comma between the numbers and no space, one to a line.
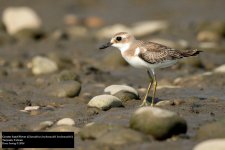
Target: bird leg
(144,103)
(154,90)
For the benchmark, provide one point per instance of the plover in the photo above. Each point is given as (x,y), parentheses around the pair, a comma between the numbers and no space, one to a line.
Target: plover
(147,55)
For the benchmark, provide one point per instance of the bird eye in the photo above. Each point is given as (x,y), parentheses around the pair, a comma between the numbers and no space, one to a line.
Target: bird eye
(118,38)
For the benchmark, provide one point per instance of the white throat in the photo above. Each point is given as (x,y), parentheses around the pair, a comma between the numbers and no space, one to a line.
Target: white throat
(122,47)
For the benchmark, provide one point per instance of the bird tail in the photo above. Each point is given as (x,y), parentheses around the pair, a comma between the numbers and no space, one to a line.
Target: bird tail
(187,53)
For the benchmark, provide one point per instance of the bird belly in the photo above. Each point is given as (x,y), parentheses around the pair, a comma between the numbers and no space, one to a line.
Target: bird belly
(139,63)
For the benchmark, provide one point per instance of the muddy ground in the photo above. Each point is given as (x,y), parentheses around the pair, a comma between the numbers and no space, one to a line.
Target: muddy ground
(202,96)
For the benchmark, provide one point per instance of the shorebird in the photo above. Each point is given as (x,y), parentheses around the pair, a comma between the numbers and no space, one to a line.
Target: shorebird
(147,55)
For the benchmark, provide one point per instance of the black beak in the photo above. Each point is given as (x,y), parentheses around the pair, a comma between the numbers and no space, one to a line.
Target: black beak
(105,45)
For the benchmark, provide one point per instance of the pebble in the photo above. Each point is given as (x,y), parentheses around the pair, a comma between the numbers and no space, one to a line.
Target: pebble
(159,123)
(214,144)
(114,59)
(212,130)
(109,31)
(71,20)
(64,128)
(148,27)
(66,121)
(208,36)
(65,89)
(220,69)
(113,89)
(30,108)
(105,102)
(77,31)
(20,18)
(66,75)
(42,65)
(42,126)
(93,22)
(95,130)
(122,136)
(126,96)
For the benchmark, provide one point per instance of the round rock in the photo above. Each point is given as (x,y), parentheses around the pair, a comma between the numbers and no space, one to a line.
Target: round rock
(66,121)
(159,123)
(214,144)
(126,96)
(113,89)
(65,89)
(105,102)
(43,65)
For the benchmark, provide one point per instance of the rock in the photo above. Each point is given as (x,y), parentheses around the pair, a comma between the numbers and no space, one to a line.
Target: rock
(113,89)
(95,130)
(109,31)
(148,27)
(77,31)
(208,36)
(212,130)
(217,27)
(65,89)
(43,65)
(67,75)
(71,20)
(114,59)
(159,123)
(17,19)
(193,61)
(42,126)
(30,108)
(122,136)
(66,121)
(164,103)
(126,96)
(64,128)
(214,144)
(93,22)
(220,69)
(105,102)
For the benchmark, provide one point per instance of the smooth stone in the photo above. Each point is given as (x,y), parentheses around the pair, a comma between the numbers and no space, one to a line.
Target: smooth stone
(164,103)
(20,18)
(93,22)
(193,61)
(113,89)
(114,59)
(220,69)
(109,31)
(66,75)
(66,121)
(77,31)
(43,65)
(65,89)
(30,108)
(42,126)
(214,144)
(159,123)
(207,36)
(126,96)
(95,130)
(122,136)
(64,128)
(212,130)
(71,20)
(105,102)
(148,27)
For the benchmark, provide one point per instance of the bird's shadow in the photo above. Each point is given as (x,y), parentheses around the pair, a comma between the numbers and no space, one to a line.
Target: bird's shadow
(156,100)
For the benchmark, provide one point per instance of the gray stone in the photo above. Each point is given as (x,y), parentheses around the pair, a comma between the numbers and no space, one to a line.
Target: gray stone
(159,123)
(214,144)
(126,96)
(122,136)
(113,89)
(220,69)
(66,121)
(42,126)
(64,128)
(105,102)
(212,130)
(207,36)
(65,89)
(43,65)
(114,59)
(95,131)
(66,75)
(17,19)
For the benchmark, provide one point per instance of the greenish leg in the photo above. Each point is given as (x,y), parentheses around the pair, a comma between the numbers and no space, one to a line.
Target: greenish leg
(155,86)
(144,103)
